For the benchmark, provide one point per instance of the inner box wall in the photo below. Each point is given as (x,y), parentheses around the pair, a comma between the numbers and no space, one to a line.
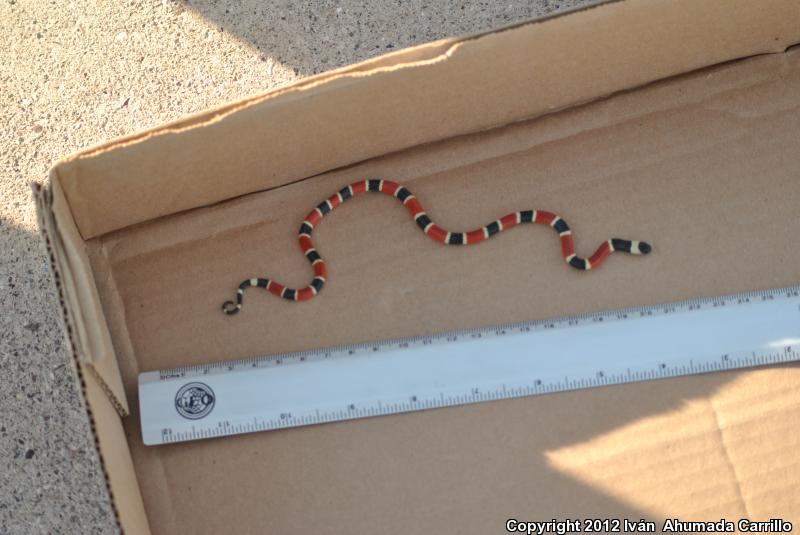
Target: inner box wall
(703,166)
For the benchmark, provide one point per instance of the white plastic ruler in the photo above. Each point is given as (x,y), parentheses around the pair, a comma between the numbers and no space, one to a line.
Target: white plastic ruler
(507,361)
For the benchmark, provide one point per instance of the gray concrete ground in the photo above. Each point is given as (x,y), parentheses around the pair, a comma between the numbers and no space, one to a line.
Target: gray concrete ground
(75,73)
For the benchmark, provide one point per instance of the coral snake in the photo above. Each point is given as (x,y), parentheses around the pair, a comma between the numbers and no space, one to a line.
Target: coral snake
(433,231)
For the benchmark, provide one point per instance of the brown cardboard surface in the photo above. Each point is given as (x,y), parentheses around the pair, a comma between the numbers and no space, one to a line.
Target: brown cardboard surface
(441,90)
(705,166)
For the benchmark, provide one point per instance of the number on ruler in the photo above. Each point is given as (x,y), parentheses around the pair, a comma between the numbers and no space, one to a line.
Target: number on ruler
(342,409)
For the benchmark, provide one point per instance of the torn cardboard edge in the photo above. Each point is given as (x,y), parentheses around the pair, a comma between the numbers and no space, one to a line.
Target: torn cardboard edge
(69,260)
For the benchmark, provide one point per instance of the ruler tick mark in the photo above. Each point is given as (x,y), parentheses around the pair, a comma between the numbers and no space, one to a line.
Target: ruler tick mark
(662,342)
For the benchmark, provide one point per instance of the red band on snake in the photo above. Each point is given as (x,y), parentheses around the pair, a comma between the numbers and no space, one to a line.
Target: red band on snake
(433,231)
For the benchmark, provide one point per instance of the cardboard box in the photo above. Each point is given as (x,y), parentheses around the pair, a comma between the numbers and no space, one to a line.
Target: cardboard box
(674,121)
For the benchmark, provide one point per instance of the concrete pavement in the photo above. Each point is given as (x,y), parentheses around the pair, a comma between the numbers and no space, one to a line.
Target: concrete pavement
(75,73)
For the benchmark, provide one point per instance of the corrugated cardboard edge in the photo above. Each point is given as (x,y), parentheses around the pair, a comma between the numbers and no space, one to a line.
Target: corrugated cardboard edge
(101,406)
(80,302)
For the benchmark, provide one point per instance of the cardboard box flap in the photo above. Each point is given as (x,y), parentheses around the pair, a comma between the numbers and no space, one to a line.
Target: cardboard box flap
(470,85)
(99,378)
(82,312)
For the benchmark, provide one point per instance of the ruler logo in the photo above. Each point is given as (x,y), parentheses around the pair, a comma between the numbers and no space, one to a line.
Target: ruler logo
(194,400)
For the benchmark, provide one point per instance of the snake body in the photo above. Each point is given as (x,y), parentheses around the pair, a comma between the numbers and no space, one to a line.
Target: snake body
(433,231)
